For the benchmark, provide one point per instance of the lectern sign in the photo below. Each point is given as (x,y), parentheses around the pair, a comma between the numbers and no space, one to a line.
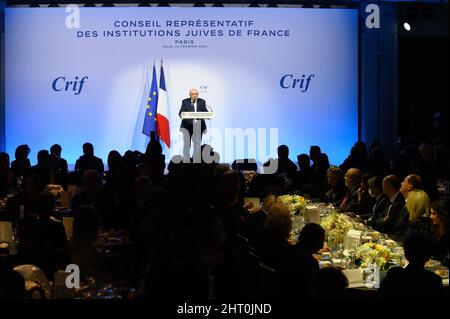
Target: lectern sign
(197,115)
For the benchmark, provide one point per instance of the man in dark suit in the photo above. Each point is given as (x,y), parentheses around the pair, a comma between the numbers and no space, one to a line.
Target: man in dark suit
(195,128)
(88,160)
(377,210)
(396,219)
(56,149)
(350,203)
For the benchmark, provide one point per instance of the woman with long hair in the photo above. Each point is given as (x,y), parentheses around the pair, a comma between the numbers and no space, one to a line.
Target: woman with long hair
(439,221)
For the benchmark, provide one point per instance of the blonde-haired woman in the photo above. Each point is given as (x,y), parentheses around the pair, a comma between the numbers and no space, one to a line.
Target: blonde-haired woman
(418,205)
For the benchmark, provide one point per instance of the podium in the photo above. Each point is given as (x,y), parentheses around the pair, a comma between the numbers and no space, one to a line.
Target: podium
(196,115)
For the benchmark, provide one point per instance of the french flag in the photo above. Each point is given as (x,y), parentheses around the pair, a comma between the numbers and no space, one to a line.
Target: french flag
(162,115)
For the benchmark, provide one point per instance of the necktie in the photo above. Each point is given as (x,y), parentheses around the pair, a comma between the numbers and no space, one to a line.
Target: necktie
(344,201)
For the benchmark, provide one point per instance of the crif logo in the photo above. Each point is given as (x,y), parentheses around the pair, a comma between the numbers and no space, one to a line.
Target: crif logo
(61,83)
(204,88)
(302,83)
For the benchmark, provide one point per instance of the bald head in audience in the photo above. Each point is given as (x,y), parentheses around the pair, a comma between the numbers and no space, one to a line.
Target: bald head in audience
(410,182)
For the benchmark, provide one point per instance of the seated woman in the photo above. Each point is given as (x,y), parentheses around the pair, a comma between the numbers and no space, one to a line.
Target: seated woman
(83,252)
(440,237)
(274,240)
(418,207)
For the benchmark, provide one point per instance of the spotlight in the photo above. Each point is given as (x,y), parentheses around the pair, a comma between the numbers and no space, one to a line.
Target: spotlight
(217,5)
(407,26)
(35,5)
(53,4)
(144,4)
(108,5)
(272,5)
(163,4)
(89,5)
(199,5)
(408,17)
(253,5)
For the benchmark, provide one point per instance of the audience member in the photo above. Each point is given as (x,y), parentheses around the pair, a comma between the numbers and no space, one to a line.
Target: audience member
(56,150)
(414,281)
(297,264)
(88,161)
(439,221)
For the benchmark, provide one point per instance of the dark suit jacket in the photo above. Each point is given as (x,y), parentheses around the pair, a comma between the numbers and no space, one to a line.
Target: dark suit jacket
(62,165)
(186,106)
(352,203)
(395,217)
(85,162)
(378,209)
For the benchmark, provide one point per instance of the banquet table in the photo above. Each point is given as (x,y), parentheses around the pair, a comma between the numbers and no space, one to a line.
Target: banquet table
(364,254)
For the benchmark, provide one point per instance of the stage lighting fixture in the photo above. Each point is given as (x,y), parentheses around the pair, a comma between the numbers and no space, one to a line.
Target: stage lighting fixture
(35,5)
(272,5)
(199,5)
(218,5)
(89,5)
(108,5)
(408,17)
(53,5)
(163,4)
(144,4)
(253,5)
(407,26)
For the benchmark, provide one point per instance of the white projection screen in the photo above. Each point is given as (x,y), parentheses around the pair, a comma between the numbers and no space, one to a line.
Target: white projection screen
(272,75)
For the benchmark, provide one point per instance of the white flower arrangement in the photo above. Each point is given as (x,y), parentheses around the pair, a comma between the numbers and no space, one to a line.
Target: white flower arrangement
(295,203)
(336,227)
(371,253)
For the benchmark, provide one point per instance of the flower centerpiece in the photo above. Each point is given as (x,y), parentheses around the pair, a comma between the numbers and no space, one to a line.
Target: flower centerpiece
(371,253)
(336,227)
(295,203)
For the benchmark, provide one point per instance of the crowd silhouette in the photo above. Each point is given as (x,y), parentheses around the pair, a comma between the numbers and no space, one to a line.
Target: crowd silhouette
(191,235)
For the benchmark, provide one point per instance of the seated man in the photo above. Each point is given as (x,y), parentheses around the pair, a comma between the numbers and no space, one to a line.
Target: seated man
(377,211)
(350,203)
(396,219)
(88,160)
(335,189)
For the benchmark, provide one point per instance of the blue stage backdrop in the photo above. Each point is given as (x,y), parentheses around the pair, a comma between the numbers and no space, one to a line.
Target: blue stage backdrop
(72,79)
